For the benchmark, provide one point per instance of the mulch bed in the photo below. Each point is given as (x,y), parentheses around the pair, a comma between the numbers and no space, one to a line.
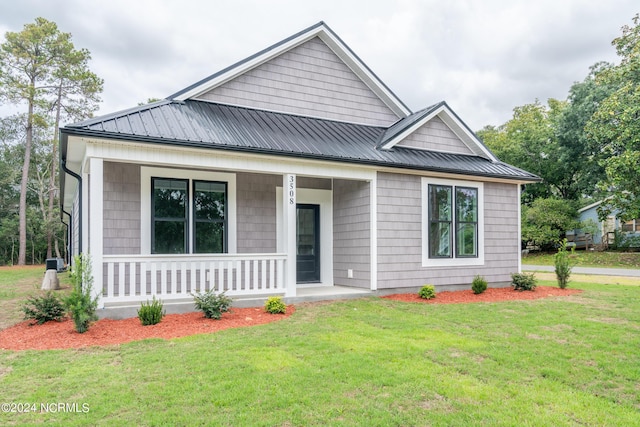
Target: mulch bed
(490,295)
(61,335)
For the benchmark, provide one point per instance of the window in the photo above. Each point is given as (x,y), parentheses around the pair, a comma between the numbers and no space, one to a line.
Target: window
(452,231)
(176,230)
(631,226)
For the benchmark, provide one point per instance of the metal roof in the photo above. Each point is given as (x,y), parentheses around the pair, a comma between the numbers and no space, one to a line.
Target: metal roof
(218,126)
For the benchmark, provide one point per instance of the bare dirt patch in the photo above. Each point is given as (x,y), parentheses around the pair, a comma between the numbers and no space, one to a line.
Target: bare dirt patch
(61,335)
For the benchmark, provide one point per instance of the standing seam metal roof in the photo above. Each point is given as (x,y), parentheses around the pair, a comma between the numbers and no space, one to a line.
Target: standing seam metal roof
(218,126)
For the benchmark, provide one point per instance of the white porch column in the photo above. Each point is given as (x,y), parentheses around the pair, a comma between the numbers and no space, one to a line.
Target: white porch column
(373,203)
(289,231)
(95,220)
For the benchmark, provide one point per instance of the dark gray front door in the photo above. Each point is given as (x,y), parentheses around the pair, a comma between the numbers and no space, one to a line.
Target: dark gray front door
(308,243)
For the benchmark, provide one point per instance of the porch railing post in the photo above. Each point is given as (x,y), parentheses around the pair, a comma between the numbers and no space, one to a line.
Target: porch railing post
(289,227)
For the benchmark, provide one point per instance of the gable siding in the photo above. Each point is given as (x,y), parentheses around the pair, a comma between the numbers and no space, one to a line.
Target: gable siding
(400,241)
(256,212)
(435,135)
(307,80)
(351,233)
(121,209)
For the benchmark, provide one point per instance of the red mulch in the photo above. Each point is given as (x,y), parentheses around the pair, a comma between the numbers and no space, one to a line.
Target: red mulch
(59,335)
(490,295)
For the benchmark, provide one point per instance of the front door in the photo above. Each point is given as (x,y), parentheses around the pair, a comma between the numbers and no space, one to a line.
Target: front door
(308,243)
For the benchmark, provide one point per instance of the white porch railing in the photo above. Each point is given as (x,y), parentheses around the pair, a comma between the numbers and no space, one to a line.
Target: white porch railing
(170,277)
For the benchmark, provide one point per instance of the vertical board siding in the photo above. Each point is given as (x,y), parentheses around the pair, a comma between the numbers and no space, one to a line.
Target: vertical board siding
(351,233)
(308,80)
(256,207)
(121,208)
(400,241)
(75,213)
(435,135)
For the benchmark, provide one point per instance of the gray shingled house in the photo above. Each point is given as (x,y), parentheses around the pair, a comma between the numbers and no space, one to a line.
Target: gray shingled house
(295,168)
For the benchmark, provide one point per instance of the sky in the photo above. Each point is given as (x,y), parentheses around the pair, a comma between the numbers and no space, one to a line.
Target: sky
(484,58)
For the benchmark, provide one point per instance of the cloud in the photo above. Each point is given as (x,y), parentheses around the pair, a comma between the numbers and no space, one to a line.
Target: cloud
(483,58)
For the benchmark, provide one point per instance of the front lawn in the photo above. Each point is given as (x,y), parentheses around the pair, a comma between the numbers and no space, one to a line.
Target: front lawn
(371,362)
(582,258)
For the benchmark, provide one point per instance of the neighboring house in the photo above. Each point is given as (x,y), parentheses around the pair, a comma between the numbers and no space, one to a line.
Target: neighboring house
(294,167)
(607,227)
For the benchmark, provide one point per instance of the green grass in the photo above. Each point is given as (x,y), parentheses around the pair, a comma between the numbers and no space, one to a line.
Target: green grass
(370,362)
(18,283)
(590,259)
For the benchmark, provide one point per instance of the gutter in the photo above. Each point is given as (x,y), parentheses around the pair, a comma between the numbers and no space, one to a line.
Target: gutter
(69,242)
(63,163)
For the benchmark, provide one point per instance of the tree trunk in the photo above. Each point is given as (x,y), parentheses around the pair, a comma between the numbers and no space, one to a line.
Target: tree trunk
(22,250)
(52,178)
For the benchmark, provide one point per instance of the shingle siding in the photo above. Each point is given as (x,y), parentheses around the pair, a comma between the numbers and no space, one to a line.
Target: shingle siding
(256,207)
(308,80)
(121,206)
(435,135)
(400,236)
(351,233)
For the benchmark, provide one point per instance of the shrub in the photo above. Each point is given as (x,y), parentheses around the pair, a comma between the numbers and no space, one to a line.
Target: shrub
(562,264)
(524,281)
(212,304)
(151,313)
(427,292)
(479,285)
(43,308)
(80,303)
(275,305)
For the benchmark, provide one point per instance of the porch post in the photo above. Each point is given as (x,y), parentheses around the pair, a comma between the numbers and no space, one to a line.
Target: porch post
(96,178)
(289,228)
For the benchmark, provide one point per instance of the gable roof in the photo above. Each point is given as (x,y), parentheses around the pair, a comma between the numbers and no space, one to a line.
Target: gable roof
(405,127)
(217,126)
(320,30)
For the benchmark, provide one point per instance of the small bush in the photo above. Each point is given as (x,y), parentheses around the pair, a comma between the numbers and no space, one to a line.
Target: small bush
(150,312)
(524,281)
(275,305)
(43,308)
(562,265)
(80,303)
(479,285)
(427,292)
(212,304)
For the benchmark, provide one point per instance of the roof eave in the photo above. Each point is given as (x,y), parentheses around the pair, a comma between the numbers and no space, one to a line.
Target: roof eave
(292,154)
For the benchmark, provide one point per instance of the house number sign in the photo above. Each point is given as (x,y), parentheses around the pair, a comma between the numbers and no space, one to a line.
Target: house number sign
(291,188)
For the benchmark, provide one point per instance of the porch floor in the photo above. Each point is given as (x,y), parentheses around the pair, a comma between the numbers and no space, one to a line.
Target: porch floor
(303,294)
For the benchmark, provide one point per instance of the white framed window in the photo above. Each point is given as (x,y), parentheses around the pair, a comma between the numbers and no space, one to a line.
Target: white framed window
(452,222)
(183,211)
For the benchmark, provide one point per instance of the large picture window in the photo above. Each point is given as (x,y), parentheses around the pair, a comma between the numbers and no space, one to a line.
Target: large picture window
(188,216)
(452,232)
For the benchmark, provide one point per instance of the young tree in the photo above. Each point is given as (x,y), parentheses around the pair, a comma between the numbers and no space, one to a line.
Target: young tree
(616,126)
(40,67)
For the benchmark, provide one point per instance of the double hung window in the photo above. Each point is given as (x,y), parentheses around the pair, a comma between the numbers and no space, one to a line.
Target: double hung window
(188,216)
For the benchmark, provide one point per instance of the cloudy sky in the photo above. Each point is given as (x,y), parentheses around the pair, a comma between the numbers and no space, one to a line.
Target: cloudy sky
(483,57)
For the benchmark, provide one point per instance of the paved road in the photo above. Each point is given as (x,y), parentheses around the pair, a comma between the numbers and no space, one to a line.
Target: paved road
(587,270)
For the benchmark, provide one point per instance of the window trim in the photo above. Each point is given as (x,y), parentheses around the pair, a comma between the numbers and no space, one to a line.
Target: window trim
(425,224)
(146,173)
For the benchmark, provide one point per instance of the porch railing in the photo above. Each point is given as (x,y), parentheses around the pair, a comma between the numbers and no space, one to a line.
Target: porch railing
(172,277)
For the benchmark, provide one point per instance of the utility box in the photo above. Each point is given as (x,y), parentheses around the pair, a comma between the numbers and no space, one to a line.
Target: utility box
(52,264)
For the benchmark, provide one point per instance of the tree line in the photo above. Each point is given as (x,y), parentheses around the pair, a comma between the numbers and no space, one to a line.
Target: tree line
(47,81)
(586,147)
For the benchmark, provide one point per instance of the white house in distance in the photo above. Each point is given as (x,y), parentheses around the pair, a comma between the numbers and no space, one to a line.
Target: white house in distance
(294,168)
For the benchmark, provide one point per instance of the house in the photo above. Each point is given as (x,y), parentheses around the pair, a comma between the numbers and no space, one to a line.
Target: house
(606,229)
(296,167)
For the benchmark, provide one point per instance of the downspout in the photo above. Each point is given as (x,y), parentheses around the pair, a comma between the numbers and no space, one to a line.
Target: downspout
(63,163)
(69,242)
